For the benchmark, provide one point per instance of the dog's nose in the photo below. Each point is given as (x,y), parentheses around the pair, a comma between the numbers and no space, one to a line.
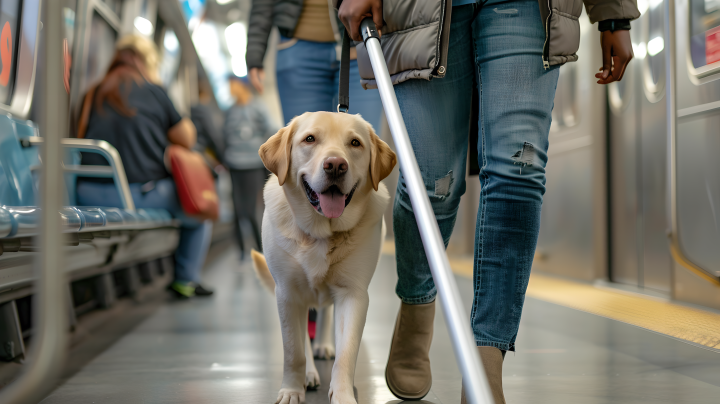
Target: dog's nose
(335,166)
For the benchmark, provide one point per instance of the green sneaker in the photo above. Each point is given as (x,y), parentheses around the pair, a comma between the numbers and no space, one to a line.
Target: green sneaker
(182,290)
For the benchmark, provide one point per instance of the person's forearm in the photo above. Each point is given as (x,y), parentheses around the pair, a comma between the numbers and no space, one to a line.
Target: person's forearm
(259,28)
(183,134)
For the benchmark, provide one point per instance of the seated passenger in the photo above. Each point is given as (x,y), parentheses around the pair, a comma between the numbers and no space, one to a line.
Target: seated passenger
(130,111)
(247,126)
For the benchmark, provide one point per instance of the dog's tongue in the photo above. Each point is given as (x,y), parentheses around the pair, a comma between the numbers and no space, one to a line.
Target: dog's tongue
(332,204)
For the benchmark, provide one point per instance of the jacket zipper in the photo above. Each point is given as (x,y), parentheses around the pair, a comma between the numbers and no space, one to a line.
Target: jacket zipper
(546,46)
(439,48)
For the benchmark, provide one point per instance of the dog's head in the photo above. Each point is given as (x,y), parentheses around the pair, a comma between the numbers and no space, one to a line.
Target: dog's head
(331,156)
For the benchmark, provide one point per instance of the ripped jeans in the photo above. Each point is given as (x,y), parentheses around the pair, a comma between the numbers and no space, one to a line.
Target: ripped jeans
(496,47)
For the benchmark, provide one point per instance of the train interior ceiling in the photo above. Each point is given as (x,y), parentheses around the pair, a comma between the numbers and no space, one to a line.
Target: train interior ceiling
(625,288)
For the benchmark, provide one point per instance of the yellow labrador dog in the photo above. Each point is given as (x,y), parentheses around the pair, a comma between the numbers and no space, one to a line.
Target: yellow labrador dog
(322,232)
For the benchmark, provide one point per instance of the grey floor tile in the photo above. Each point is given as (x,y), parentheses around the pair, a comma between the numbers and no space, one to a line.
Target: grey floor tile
(228,349)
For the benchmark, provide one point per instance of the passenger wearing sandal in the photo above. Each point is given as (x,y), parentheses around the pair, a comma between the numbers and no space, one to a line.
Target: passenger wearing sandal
(510,52)
(130,111)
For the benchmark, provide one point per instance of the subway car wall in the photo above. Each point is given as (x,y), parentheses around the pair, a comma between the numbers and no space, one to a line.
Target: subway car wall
(632,194)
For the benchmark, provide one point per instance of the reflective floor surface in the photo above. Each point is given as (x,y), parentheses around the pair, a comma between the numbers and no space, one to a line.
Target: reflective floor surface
(228,349)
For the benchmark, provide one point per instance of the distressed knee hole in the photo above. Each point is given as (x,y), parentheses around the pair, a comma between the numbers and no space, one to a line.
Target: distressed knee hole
(506,11)
(442,185)
(525,156)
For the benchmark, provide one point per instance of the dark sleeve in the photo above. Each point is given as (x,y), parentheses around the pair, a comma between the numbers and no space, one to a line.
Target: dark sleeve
(206,129)
(166,106)
(261,21)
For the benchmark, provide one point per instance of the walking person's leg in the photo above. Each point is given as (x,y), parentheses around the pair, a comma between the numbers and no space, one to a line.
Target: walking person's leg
(237,190)
(251,185)
(195,236)
(259,176)
(305,76)
(516,101)
(437,116)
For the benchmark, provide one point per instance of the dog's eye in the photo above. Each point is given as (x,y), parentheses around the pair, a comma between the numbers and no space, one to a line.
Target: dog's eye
(355,143)
(310,139)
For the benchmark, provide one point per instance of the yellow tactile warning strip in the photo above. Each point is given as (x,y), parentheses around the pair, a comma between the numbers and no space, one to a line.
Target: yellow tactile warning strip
(686,323)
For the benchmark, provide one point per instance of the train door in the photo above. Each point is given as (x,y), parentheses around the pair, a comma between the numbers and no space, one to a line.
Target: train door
(625,167)
(572,238)
(656,263)
(639,250)
(94,44)
(697,140)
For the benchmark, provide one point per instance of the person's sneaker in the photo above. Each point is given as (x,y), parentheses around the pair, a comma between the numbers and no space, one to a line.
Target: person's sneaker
(201,291)
(182,290)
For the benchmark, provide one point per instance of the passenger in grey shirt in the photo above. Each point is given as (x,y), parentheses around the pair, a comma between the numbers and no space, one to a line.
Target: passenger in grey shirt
(247,126)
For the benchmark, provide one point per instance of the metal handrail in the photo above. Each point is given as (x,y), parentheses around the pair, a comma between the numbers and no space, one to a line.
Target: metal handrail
(477,389)
(671,105)
(47,352)
(106,150)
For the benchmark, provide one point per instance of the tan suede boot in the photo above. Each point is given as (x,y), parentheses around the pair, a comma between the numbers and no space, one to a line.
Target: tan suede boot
(492,360)
(408,369)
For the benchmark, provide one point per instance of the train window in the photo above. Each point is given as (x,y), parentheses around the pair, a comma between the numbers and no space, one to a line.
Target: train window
(704,32)
(9,22)
(101,50)
(114,5)
(656,43)
(652,49)
(170,58)
(69,20)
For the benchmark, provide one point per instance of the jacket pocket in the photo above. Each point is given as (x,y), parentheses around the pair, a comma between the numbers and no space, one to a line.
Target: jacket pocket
(564,37)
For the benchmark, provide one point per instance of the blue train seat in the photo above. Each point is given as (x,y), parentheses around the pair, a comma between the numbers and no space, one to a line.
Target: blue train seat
(16,181)
(19,214)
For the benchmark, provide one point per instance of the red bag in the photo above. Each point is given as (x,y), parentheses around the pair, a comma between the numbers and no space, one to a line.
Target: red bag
(194,183)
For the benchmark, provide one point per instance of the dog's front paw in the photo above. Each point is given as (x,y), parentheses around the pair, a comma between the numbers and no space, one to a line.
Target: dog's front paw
(324,351)
(312,379)
(341,396)
(290,396)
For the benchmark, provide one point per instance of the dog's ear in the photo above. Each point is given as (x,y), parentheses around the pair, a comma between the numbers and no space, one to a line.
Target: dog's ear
(275,153)
(382,159)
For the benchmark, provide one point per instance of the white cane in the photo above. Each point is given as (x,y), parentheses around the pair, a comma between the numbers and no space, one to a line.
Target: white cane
(477,390)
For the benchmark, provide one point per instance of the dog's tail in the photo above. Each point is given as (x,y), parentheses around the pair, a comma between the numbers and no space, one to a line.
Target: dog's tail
(262,271)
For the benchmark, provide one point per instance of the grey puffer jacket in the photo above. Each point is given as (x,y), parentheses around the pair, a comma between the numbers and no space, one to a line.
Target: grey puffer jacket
(416,34)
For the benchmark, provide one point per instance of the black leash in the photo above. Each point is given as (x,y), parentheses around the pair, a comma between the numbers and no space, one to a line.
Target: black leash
(344,88)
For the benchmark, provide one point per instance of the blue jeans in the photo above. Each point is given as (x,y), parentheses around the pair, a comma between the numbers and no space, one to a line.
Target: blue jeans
(308,75)
(500,53)
(194,235)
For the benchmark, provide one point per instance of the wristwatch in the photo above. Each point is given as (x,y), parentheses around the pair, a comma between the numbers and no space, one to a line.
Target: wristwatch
(613,25)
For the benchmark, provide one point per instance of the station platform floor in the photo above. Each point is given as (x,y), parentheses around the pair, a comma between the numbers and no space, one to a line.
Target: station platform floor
(228,349)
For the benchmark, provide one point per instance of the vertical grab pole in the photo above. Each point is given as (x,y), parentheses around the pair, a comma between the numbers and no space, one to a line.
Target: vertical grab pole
(477,390)
(47,351)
